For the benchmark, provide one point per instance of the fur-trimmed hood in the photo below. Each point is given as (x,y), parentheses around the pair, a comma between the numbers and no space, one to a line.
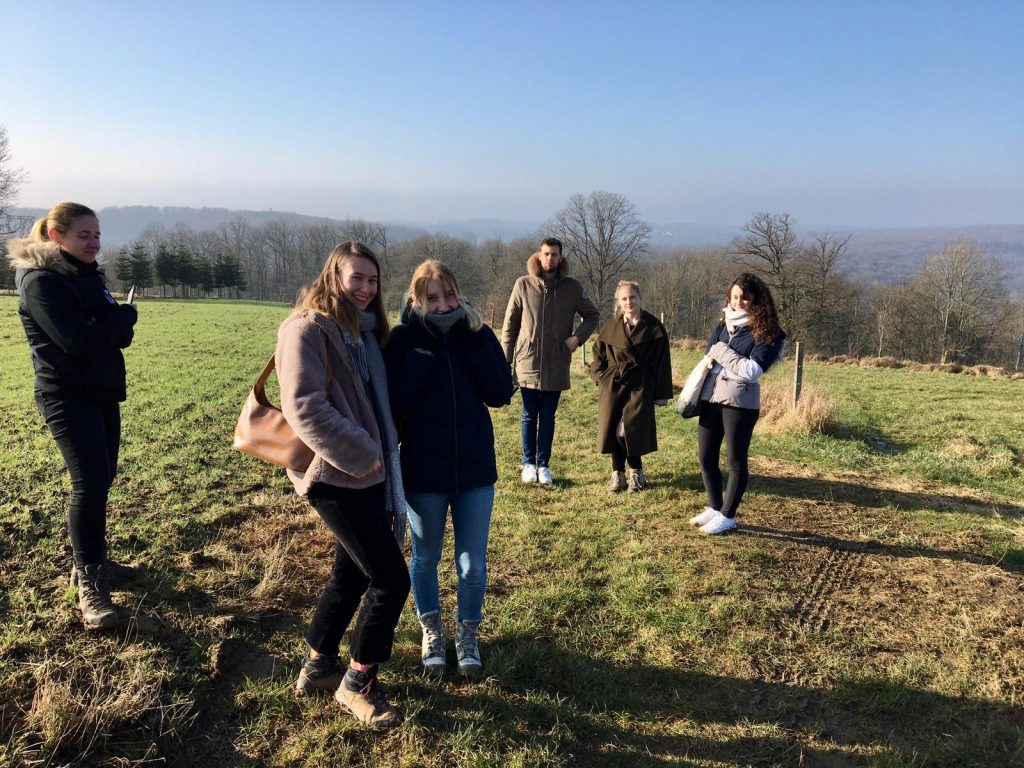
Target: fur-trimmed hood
(26,253)
(534,269)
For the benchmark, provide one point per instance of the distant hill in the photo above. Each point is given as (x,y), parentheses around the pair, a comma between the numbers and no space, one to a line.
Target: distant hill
(123,224)
(890,255)
(887,255)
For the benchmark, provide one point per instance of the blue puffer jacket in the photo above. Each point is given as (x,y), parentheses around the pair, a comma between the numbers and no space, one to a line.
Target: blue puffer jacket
(727,383)
(440,387)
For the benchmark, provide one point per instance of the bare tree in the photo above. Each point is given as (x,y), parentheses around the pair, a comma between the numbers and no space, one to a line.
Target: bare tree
(963,288)
(10,179)
(770,248)
(603,234)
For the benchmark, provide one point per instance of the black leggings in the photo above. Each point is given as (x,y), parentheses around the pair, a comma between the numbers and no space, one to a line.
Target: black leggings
(88,435)
(736,425)
(368,566)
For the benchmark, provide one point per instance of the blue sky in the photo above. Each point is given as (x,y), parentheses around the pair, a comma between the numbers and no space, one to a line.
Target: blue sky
(841,114)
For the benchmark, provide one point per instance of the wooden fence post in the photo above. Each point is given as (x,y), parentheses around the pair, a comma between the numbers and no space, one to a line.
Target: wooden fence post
(798,373)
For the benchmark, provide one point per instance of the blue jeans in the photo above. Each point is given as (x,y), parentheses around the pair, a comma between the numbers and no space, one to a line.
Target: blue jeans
(471,519)
(538,425)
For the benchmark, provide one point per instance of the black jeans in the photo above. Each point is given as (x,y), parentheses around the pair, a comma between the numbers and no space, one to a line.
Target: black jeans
(736,425)
(367,561)
(88,435)
(619,458)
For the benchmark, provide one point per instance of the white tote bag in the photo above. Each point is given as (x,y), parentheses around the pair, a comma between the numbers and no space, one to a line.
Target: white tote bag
(688,403)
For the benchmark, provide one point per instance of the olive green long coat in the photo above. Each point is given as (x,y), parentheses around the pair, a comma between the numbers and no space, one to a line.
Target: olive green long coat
(631,372)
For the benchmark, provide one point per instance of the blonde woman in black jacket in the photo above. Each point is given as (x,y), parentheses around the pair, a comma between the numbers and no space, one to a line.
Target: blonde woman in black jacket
(76,331)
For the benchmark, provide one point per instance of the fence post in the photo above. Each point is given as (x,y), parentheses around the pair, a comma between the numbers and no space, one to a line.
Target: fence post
(798,373)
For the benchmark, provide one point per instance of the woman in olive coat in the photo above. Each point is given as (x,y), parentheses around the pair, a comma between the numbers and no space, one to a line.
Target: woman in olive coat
(633,372)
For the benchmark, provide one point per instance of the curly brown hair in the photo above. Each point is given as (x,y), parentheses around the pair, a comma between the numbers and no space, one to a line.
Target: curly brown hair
(764,320)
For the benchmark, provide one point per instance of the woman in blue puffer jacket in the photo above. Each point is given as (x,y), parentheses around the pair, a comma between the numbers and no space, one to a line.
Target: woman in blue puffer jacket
(744,345)
(445,367)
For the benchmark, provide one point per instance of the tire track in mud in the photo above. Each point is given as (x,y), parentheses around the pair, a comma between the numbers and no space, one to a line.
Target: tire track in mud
(834,574)
(815,608)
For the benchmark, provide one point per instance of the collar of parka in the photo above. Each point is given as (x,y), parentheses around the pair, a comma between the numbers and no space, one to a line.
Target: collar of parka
(534,269)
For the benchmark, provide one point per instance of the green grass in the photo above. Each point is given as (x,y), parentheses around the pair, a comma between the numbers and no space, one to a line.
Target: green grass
(869,614)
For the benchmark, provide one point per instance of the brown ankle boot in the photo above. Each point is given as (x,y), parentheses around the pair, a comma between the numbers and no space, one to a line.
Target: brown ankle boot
(98,611)
(117,573)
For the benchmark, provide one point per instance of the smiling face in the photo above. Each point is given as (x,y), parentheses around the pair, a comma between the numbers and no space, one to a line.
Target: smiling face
(441,298)
(81,240)
(737,298)
(358,280)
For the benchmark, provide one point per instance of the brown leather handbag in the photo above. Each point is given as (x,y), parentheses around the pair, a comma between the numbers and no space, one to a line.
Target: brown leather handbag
(262,430)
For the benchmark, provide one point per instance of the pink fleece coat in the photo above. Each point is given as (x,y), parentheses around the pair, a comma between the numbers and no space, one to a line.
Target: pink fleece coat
(338,425)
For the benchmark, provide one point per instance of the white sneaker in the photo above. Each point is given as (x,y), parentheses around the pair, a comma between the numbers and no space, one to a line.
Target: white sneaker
(432,649)
(544,475)
(704,517)
(529,473)
(718,524)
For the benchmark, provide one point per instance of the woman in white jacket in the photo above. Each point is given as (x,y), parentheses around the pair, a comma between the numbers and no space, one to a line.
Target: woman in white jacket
(744,345)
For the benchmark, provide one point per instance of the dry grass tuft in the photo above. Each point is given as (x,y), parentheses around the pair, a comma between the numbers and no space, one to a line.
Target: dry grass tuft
(78,708)
(815,413)
(965,447)
(275,570)
(687,343)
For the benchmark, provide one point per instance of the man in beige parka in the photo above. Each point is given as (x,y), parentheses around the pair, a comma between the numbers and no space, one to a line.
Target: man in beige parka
(538,339)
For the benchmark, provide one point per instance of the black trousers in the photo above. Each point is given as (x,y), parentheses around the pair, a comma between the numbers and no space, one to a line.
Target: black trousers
(88,435)
(619,457)
(736,426)
(368,567)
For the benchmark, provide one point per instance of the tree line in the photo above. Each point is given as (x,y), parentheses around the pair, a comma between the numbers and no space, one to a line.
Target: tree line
(957,307)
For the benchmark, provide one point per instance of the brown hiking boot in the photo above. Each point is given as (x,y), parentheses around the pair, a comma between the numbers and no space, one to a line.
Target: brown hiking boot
(618,482)
(319,674)
(117,574)
(98,611)
(369,705)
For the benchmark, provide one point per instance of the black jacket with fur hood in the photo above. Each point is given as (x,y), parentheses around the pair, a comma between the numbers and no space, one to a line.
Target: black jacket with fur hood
(74,326)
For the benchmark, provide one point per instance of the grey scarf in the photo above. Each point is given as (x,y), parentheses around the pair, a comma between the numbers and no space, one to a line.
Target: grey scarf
(444,323)
(368,360)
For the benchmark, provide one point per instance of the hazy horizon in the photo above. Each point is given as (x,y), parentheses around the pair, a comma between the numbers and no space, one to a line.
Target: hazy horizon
(867,116)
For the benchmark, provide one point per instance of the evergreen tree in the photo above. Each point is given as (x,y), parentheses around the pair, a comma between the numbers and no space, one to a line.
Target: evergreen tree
(202,274)
(186,269)
(166,266)
(123,269)
(141,266)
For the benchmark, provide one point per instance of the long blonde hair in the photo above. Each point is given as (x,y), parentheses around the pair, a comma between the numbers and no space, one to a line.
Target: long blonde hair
(432,269)
(323,296)
(61,217)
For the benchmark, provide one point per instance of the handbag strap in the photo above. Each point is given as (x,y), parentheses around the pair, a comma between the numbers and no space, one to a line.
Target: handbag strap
(259,389)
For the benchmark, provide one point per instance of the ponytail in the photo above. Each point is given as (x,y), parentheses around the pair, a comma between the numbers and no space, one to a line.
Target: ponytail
(38,233)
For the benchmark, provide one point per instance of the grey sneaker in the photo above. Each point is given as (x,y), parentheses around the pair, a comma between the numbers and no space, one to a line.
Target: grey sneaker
(637,480)
(98,611)
(618,482)
(432,649)
(467,647)
(319,674)
(117,574)
(369,705)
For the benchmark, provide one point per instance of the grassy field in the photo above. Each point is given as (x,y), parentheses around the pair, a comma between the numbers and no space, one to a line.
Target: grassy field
(869,612)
